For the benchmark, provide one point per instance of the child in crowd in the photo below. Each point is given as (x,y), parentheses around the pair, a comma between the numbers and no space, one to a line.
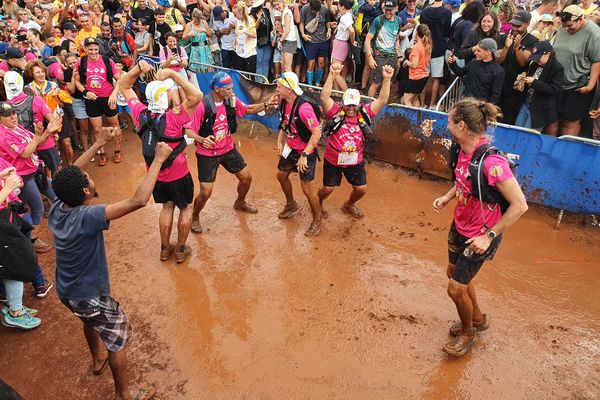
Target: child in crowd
(275,39)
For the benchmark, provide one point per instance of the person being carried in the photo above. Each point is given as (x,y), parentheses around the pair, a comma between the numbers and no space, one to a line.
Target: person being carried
(174,186)
(489,200)
(299,136)
(212,125)
(347,133)
(82,281)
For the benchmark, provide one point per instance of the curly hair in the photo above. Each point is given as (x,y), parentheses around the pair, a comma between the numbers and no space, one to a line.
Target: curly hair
(68,185)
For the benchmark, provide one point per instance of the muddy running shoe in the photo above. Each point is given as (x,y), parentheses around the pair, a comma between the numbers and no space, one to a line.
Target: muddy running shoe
(354,211)
(478,326)
(42,290)
(180,256)
(314,229)
(289,210)
(118,156)
(196,227)
(41,247)
(21,321)
(245,207)
(166,253)
(30,311)
(458,346)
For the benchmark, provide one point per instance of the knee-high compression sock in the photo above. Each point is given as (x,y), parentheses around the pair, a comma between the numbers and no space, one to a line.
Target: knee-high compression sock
(309,77)
(319,76)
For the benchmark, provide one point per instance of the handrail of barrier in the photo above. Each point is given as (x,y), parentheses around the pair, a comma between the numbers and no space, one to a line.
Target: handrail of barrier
(450,96)
(593,142)
(243,73)
(337,92)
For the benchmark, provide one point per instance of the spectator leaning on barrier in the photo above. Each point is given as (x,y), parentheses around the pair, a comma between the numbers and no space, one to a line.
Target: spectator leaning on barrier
(577,48)
(483,77)
(514,58)
(544,79)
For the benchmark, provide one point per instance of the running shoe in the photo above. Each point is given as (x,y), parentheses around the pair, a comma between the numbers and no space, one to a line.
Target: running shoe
(196,227)
(30,311)
(21,321)
(289,210)
(180,256)
(245,207)
(42,290)
(41,247)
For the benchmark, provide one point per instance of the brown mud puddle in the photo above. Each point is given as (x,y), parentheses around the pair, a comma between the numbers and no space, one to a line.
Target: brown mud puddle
(360,312)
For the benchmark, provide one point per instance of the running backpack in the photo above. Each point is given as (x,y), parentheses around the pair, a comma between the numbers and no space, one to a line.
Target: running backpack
(210,113)
(479,185)
(151,133)
(83,69)
(25,113)
(294,117)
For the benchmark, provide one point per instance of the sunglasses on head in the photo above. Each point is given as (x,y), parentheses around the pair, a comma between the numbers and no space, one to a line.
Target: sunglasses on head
(567,16)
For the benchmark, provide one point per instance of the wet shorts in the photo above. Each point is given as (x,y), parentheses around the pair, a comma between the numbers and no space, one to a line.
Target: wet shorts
(180,192)
(232,161)
(99,107)
(466,267)
(356,175)
(105,316)
(289,165)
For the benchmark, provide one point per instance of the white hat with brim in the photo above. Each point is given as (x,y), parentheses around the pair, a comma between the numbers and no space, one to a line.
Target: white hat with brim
(290,81)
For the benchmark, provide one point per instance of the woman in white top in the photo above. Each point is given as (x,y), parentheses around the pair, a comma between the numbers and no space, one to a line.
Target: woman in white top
(343,37)
(245,40)
(289,39)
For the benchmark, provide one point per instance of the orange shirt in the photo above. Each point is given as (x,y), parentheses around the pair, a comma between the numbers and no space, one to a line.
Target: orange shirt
(82,35)
(422,69)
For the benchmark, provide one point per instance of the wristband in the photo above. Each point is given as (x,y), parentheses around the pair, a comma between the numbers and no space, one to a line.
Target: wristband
(85,92)
(265,105)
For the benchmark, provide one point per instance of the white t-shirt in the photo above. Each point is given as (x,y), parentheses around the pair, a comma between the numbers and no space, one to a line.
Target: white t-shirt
(535,17)
(226,40)
(346,21)
(292,35)
(30,25)
(246,45)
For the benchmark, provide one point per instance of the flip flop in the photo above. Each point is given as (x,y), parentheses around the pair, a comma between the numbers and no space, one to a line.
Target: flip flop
(145,394)
(102,368)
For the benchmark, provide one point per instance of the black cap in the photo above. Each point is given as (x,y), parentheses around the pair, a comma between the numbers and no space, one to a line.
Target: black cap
(89,41)
(520,18)
(70,26)
(13,52)
(390,4)
(6,109)
(540,48)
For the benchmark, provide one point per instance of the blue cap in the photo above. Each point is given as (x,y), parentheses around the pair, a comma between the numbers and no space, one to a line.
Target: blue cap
(453,3)
(217,11)
(221,80)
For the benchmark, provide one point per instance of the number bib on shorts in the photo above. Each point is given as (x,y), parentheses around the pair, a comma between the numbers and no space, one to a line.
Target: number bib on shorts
(345,158)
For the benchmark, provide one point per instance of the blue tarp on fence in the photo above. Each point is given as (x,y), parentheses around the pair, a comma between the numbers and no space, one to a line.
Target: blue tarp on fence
(554,172)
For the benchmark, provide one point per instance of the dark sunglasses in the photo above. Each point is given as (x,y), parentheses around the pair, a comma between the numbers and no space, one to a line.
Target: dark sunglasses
(567,16)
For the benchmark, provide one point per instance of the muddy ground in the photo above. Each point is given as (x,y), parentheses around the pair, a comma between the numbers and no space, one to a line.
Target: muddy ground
(360,312)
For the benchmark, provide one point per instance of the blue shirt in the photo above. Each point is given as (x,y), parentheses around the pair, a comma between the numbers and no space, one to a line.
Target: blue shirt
(81,268)
(405,16)
(46,52)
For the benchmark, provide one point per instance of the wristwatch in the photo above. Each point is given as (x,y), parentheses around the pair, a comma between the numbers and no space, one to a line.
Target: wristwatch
(303,154)
(491,234)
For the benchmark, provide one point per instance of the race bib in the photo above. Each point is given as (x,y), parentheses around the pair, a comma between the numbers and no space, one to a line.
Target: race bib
(286,151)
(348,158)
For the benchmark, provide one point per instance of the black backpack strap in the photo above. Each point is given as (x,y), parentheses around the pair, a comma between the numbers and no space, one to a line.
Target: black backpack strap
(109,72)
(210,110)
(83,70)
(480,151)
(453,158)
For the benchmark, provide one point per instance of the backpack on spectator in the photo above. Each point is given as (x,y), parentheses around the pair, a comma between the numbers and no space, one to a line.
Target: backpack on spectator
(480,187)
(294,116)
(151,132)
(83,69)
(25,113)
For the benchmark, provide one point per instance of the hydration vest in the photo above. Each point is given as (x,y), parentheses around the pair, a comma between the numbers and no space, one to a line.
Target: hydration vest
(479,184)
(364,123)
(25,113)
(210,113)
(151,132)
(294,117)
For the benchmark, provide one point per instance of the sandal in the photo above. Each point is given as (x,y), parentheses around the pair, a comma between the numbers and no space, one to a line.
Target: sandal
(118,156)
(478,326)
(458,346)
(145,394)
(102,159)
(102,368)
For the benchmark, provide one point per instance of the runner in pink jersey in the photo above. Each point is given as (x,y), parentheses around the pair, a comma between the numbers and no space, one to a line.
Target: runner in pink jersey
(212,132)
(174,186)
(297,144)
(477,228)
(344,148)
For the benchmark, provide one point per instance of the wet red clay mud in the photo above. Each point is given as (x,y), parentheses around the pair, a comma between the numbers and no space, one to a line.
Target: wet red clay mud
(360,312)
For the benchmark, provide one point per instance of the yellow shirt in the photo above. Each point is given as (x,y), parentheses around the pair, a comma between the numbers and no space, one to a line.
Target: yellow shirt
(82,35)
(169,20)
(589,10)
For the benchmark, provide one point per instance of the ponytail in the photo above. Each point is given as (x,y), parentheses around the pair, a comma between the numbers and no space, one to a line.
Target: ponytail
(476,114)
(424,34)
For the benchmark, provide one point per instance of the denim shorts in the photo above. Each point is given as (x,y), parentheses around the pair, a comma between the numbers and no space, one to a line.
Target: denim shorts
(79,108)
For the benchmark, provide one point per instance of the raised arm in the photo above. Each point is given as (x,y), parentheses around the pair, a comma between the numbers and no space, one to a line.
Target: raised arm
(384,94)
(326,100)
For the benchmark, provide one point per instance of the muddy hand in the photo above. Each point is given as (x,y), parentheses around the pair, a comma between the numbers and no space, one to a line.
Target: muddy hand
(439,203)
(106,134)
(302,164)
(479,244)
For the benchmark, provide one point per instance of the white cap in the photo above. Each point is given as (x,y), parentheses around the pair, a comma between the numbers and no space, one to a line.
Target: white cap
(351,97)
(13,84)
(82,1)
(156,94)
(290,80)
(178,28)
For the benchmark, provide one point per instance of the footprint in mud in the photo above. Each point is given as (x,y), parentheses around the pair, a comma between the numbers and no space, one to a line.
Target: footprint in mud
(406,234)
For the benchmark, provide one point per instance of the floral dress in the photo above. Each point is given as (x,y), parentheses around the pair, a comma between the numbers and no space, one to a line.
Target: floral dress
(200,52)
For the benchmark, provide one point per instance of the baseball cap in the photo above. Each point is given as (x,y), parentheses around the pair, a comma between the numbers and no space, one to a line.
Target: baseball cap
(571,13)
(540,49)
(390,4)
(453,3)
(70,26)
(290,81)
(490,45)
(221,80)
(89,41)
(6,109)
(13,52)
(217,11)
(546,18)
(520,18)
(351,97)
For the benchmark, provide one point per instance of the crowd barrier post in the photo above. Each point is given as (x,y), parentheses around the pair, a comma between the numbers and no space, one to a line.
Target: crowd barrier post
(450,96)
